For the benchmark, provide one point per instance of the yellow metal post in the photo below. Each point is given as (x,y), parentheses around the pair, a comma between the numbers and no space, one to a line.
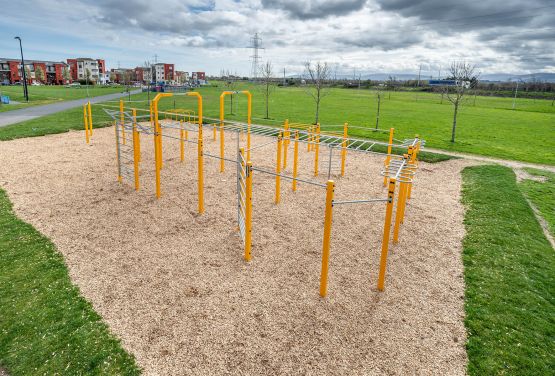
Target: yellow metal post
(157,140)
(316,149)
(286,138)
(135,150)
(278,167)
(386,232)
(222,147)
(117,149)
(90,118)
(412,154)
(388,157)
(200,153)
(248,212)
(399,211)
(249,113)
(295,160)
(309,138)
(181,142)
(85,121)
(122,120)
(344,149)
(327,236)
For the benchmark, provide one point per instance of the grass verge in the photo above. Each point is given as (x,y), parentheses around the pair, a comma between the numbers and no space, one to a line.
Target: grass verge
(509,276)
(46,327)
(542,195)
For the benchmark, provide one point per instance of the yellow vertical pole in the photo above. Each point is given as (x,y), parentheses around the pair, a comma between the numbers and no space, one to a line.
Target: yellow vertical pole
(295,160)
(388,157)
(200,160)
(85,121)
(248,212)
(326,242)
(309,138)
(90,118)
(316,149)
(222,147)
(287,136)
(181,142)
(386,232)
(278,167)
(156,147)
(135,150)
(122,120)
(411,154)
(399,210)
(344,149)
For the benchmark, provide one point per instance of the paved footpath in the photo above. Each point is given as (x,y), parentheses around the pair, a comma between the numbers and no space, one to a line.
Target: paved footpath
(24,114)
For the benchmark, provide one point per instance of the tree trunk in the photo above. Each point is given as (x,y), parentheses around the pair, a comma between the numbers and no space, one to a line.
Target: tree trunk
(267,102)
(454,122)
(378,113)
(317,111)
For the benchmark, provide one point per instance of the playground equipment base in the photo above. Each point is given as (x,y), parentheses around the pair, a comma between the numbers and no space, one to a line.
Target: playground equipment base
(174,286)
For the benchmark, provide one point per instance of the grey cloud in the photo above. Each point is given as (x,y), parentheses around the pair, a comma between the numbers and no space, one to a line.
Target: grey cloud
(310,9)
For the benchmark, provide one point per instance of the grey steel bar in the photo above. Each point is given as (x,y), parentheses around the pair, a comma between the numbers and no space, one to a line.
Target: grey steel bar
(289,177)
(360,201)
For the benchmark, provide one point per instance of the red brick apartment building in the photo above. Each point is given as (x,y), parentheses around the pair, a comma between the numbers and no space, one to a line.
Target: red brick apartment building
(10,71)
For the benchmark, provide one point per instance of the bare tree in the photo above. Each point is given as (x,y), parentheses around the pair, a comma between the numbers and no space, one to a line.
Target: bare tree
(230,83)
(465,79)
(379,97)
(318,76)
(268,86)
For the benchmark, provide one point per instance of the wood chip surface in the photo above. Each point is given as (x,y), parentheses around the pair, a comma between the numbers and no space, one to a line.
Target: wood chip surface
(174,287)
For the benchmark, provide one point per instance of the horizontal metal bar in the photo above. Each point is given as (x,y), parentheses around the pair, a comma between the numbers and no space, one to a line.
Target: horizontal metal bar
(288,177)
(360,201)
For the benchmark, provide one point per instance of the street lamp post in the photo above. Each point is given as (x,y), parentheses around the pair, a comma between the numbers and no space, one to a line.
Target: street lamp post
(25,91)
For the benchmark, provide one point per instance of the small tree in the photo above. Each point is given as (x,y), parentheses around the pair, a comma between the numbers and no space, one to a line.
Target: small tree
(268,87)
(231,84)
(463,74)
(39,74)
(317,79)
(65,74)
(379,97)
(113,77)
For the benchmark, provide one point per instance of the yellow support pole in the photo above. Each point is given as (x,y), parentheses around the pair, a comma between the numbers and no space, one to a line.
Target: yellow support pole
(157,140)
(287,136)
(295,160)
(278,167)
(181,142)
(200,153)
(386,233)
(309,138)
(316,149)
(326,242)
(344,149)
(85,121)
(90,119)
(135,150)
(388,157)
(412,155)
(399,211)
(249,113)
(122,120)
(222,147)
(248,212)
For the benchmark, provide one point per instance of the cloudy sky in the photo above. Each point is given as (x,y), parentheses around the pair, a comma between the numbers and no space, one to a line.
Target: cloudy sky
(362,36)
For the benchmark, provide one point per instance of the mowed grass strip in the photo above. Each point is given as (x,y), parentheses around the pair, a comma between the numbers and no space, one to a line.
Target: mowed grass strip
(509,276)
(39,95)
(541,194)
(46,327)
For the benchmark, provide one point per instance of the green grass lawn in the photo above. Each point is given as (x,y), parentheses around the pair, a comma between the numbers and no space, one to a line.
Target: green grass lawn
(487,128)
(509,276)
(542,195)
(46,327)
(48,94)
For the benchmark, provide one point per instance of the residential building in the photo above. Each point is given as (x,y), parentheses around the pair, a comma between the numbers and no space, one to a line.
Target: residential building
(181,77)
(163,72)
(81,65)
(123,75)
(143,74)
(53,71)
